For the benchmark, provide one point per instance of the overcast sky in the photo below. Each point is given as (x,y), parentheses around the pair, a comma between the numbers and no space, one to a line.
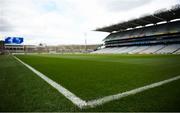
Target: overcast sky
(57,22)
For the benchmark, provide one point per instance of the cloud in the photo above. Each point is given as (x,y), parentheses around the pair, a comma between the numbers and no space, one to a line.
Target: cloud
(65,21)
(5,25)
(123,5)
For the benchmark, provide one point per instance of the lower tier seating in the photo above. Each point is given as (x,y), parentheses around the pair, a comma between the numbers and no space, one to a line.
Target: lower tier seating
(149,49)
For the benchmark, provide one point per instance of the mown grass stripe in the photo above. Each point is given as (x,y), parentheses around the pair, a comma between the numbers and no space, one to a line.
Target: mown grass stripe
(94,103)
(69,95)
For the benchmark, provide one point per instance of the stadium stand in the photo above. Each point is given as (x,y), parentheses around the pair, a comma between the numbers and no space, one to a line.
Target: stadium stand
(152,49)
(1,47)
(139,49)
(159,34)
(177,52)
(169,49)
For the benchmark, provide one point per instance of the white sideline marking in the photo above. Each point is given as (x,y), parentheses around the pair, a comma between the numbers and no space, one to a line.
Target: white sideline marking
(106,99)
(72,97)
(93,103)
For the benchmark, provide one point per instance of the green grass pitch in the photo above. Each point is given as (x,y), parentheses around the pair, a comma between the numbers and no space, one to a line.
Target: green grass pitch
(89,77)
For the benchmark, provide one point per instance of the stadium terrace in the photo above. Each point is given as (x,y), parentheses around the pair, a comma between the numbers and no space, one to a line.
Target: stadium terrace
(152,34)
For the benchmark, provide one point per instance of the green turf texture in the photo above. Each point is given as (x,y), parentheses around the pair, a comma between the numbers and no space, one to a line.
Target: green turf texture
(94,76)
(22,90)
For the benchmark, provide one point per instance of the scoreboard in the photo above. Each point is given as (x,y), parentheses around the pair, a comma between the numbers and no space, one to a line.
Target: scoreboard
(14,40)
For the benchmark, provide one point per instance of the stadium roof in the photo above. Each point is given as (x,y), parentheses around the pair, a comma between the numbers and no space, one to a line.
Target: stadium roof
(158,16)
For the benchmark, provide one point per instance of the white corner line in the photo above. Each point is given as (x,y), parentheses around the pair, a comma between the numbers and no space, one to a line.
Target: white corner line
(118,96)
(69,95)
(82,104)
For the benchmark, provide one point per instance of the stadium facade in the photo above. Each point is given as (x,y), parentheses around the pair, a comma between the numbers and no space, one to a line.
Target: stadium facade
(152,34)
(1,47)
(20,48)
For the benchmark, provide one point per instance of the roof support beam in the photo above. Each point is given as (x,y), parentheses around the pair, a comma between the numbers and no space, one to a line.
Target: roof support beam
(159,18)
(167,15)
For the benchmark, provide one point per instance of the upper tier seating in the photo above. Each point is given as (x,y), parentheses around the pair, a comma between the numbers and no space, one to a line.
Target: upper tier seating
(172,27)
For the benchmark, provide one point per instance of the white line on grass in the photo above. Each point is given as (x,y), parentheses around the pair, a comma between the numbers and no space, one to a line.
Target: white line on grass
(106,99)
(72,97)
(93,103)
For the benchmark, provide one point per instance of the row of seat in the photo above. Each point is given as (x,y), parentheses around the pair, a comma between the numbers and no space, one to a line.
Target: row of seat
(172,27)
(154,49)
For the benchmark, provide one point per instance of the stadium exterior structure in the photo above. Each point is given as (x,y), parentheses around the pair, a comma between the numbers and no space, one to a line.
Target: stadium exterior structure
(152,34)
(42,48)
(1,47)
